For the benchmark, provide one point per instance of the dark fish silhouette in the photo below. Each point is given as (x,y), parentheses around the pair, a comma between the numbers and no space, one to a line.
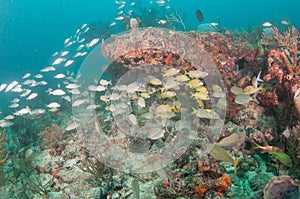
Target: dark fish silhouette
(199,15)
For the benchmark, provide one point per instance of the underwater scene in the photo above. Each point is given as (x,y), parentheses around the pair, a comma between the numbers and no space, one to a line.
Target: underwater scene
(146,99)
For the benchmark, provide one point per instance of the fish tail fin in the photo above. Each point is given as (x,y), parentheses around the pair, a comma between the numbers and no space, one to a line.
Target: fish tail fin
(259,78)
(257,145)
(192,94)
(29,110)
(194,111)
(163,90)
(254,98)
(235,163)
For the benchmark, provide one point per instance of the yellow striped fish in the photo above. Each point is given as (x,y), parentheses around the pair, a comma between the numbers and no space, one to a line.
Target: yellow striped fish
(221,154)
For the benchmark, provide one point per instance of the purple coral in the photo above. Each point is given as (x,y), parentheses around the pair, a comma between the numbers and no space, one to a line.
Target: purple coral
(281,187)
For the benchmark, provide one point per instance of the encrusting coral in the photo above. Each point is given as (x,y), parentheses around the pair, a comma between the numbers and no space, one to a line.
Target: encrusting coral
(52,136)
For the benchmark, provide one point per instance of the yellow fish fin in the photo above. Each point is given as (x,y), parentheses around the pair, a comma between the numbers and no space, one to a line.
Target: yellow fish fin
(194,111)
(235,163)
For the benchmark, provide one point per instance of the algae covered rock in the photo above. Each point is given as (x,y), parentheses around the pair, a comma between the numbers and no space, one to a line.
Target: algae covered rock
(257,183)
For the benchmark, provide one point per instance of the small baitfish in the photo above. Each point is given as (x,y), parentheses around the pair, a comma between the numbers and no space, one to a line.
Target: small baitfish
(205,113)
(168,94)
(242,99)
(182,78)
(38,76)
(237,90)
(197,74)
(155,81)
(221,154)
(93,42)
(249,90)
(200,95)
(194,83)
(171,72)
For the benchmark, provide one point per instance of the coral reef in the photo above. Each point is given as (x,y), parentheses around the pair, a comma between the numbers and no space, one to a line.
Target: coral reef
(283,64)
(196,179)
(147,44)
(240,63)
(236,58)
(232,56)
(260,137)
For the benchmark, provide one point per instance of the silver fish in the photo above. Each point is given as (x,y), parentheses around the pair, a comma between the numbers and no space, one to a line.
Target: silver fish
(72,126)
(80,47)
(79,102)
(2,87)
(119,18)
(59,61)
(83,26)
(57,92)
(72,86)
(32,96)
(60,76)
(53,105)
(93,42)
(47,69)
(64,53)
(67,40)
(5,123)
(14,105)
(9,117)
(22,111)
(38,76)
(11,85)
(26,76)
(17,89)
(242,99)
(16,100)
(26,92)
